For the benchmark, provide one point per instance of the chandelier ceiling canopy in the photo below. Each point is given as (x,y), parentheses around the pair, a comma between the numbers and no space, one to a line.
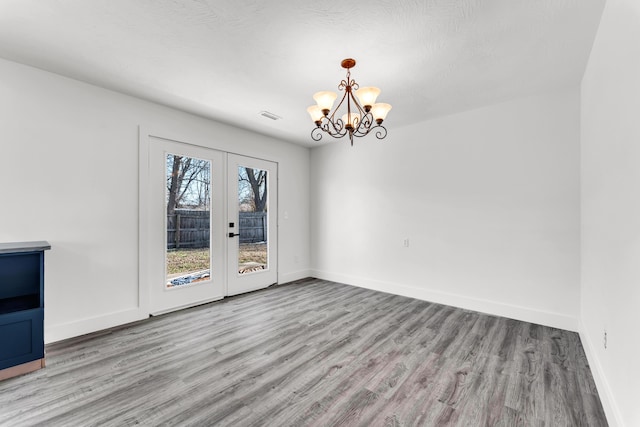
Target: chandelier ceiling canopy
(355,115)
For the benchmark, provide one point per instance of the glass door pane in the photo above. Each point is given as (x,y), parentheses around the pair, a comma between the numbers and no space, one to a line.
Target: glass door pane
(253,222)
(188,257)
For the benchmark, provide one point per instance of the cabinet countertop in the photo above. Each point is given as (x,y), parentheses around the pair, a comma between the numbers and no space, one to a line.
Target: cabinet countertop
(15,247)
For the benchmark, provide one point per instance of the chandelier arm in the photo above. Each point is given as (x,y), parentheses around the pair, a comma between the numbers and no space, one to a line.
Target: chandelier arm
(316,134)
(337,136)
(361,110)
(365,122)
(381,131)
(357,108)
(338,130)
(335,110)
(364,126)
(334,127)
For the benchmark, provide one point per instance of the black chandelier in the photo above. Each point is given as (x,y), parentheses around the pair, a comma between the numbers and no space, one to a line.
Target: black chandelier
(360,116)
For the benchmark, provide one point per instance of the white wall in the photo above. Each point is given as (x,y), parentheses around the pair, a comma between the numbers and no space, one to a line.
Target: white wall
(69,175)
(489,200)
(610,293)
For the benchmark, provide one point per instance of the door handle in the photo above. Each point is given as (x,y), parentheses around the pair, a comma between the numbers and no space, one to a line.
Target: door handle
(232,234)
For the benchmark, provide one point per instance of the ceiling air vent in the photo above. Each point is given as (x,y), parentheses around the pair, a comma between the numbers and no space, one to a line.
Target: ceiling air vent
(269,115)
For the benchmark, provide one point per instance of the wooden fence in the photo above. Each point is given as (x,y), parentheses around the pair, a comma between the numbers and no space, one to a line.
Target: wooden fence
(190,228)
(253,227)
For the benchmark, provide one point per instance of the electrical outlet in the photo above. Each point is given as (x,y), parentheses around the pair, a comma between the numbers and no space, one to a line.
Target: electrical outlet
(406,242)
(605,339)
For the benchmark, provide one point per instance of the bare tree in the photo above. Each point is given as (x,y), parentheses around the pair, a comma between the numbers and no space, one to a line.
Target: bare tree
(255,193)
(188,183)
(175,182)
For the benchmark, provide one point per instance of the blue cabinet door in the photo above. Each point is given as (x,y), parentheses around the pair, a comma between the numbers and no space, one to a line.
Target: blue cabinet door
(21,335)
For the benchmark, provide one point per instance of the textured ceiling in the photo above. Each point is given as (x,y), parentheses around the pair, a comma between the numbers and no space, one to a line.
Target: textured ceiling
(229,60)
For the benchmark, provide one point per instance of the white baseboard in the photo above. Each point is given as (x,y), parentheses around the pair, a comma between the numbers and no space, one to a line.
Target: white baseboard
(53,333)
(604,390)
(76,328)
(555,320)
(293,276)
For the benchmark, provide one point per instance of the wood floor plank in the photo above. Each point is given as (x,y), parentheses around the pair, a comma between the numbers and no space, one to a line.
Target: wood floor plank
(312,353)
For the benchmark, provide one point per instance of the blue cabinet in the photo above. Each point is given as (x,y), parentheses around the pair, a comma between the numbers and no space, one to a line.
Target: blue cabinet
(21,307)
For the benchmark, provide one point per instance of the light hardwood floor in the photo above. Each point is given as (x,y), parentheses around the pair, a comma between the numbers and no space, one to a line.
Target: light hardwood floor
(312,353)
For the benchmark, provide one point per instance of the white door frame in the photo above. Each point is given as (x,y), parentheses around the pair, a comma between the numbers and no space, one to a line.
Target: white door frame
(145,272)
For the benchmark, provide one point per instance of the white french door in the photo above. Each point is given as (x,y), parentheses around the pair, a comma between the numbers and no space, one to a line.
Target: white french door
(211,228)
(186,205)
(252,235)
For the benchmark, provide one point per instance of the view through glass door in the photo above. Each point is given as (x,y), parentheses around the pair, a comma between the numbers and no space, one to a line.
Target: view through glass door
(252,227)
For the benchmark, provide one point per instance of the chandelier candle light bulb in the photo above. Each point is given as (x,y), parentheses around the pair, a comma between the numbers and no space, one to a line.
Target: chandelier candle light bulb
(362,115)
